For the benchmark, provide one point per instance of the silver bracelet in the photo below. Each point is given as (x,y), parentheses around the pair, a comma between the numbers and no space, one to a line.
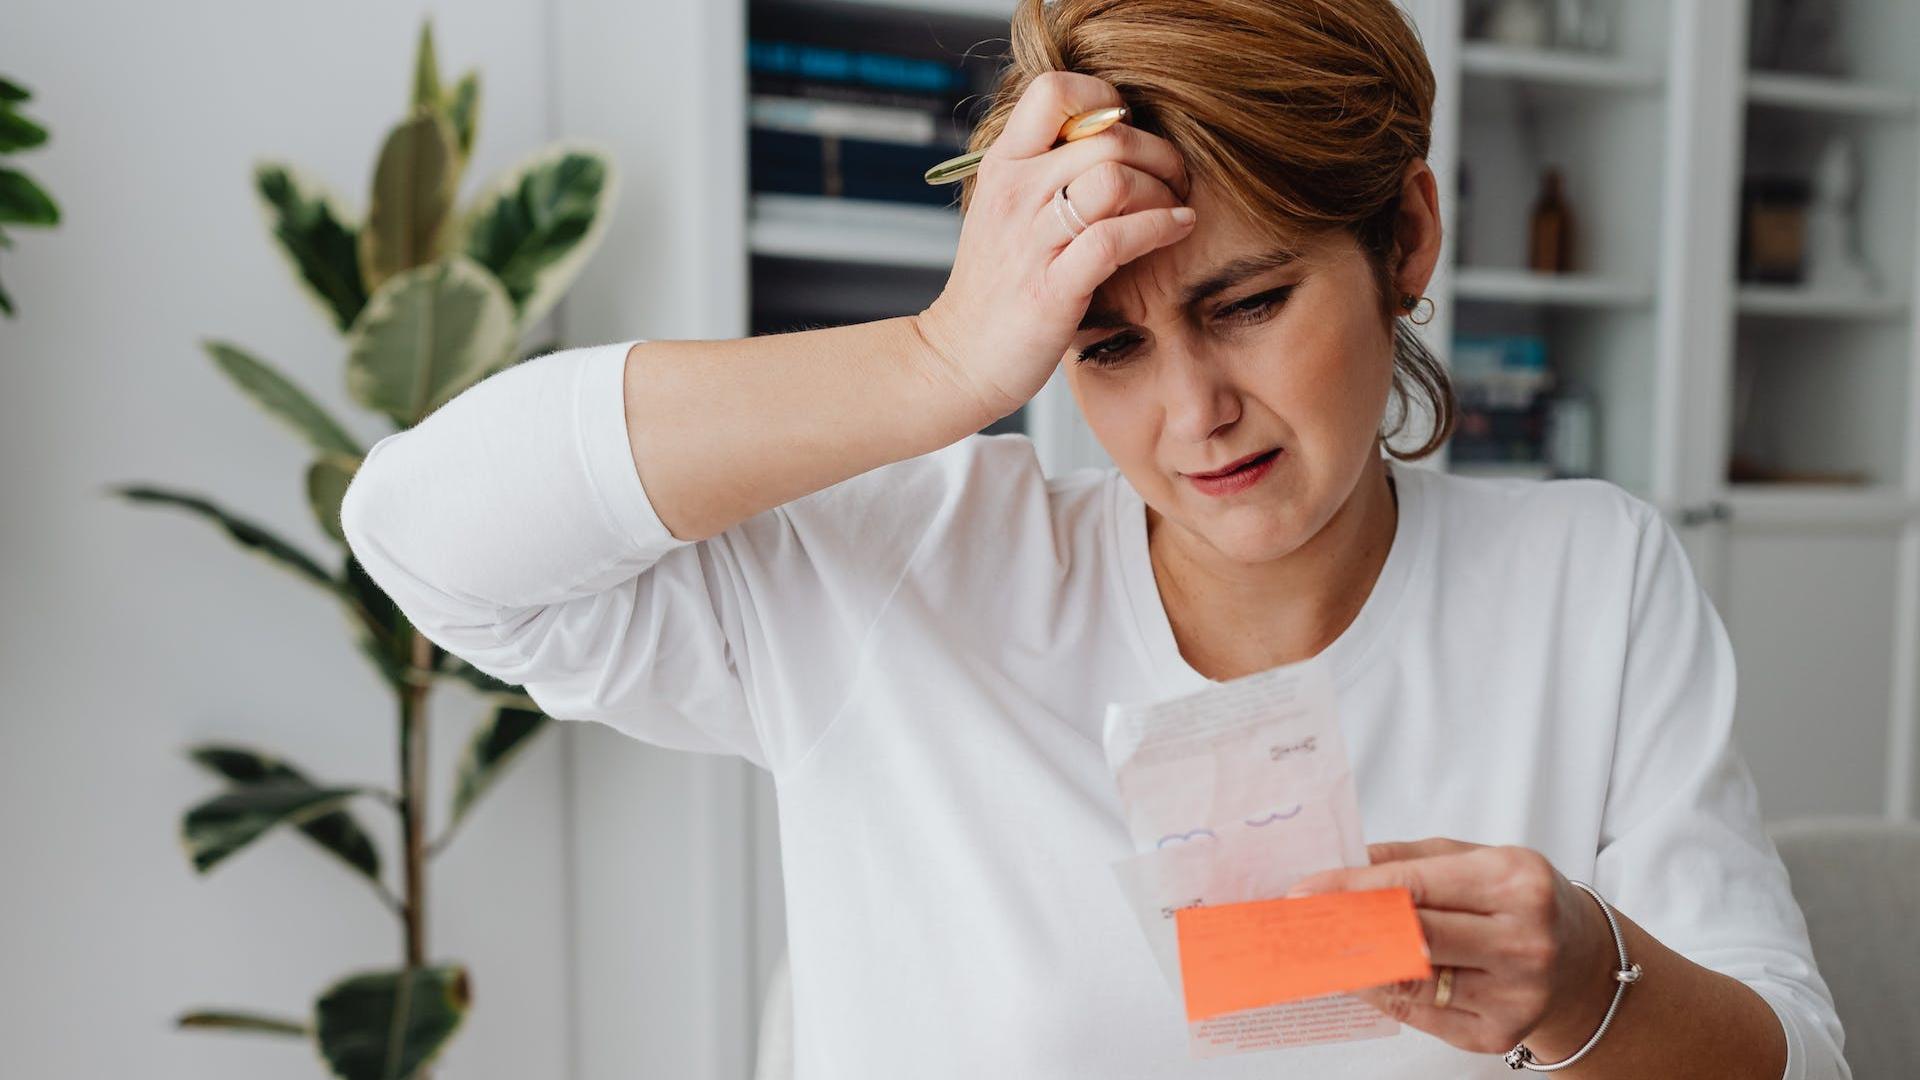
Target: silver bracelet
(1628,973)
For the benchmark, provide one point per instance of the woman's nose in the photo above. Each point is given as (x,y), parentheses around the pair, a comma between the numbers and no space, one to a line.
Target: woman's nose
(1199,396)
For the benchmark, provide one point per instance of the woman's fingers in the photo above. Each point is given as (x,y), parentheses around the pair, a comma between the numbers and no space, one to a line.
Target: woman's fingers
(1460,938)
(1044,106)
(1125,144)
(1412,1003)
(1110,189)
(1111,243)
(1507,880)
(1392,850)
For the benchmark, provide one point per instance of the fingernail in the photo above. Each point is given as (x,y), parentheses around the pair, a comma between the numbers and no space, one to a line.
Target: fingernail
(1183,215)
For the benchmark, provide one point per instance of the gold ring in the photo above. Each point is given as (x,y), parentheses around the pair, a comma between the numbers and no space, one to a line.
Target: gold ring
(1443,988)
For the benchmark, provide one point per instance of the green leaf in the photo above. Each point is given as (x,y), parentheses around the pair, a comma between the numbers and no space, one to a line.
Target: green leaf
(18,133)
(6,303)
(228,822)
(337,831)
(13,91)
(463,112)
(426,69)
(327,480)
(493,747)
(426,335)
(274,393)
(413,191)
(250,536)
(389,1025)
(315,237)
(537,227)
(23,203)
(239,1021)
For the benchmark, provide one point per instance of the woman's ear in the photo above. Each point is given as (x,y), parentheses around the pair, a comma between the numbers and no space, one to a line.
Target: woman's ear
(1416,229)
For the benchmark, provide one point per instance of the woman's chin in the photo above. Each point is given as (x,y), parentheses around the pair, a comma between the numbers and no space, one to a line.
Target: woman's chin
(1254,533)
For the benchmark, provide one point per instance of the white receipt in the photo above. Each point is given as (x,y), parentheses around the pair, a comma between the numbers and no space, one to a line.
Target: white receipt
(1233,793)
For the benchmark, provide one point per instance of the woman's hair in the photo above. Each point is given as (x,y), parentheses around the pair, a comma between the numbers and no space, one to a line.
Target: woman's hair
(1304,113)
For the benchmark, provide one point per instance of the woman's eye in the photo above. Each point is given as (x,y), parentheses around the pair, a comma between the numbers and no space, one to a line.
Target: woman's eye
(1105,352)
(1256,305)
(1251,309)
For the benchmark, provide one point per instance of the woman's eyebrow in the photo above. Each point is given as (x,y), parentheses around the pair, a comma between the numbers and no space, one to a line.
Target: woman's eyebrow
(1227,275)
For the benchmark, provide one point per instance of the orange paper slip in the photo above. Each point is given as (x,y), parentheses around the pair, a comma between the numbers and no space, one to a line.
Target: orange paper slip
(1262,952)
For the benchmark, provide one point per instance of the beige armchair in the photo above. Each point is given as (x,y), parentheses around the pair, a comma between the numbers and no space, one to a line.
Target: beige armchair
(1858,880)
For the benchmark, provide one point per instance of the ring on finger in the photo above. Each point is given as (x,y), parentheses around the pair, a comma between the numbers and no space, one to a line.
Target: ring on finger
(1063,209)
(1443,988)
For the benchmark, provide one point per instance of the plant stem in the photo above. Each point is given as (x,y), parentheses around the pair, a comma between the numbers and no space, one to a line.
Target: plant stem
(413,804)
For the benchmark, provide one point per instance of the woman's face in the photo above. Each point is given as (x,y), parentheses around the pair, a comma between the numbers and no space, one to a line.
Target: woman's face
(1191,370)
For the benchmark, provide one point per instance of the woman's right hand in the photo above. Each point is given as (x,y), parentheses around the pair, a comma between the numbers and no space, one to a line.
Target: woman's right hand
(1020,283)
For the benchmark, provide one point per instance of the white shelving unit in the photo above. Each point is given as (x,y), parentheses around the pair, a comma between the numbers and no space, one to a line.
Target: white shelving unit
(1819,582)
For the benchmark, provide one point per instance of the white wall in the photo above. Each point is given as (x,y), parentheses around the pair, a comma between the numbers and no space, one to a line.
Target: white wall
(663,910)
(130,632)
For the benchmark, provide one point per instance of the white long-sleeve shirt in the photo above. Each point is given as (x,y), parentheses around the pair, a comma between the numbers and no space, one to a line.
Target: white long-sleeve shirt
(921,657)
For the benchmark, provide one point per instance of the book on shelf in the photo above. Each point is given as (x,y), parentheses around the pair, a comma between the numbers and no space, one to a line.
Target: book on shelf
(1514,418)
(845,123)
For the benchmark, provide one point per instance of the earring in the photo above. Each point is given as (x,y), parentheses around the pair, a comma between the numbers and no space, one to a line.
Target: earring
(1412,303)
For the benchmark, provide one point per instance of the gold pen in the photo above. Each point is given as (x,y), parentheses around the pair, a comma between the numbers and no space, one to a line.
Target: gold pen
(1078,126)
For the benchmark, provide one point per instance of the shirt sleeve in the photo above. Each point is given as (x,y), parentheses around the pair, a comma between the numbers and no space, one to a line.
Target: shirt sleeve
(511,527)
(1683,850)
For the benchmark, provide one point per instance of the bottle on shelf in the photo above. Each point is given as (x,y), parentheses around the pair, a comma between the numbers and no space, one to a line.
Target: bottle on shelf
(1550,237)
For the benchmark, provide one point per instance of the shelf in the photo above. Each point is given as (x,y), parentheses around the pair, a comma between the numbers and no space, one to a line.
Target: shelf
(1789,301)
(1556,67)
(1819,94)
(853,230)
(1566,290)
(1819,504)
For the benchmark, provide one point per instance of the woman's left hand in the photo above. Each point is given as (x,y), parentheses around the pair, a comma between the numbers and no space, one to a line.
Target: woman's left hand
(1531,953)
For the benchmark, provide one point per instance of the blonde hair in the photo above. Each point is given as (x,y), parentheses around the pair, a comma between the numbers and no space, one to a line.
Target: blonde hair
(1304,113)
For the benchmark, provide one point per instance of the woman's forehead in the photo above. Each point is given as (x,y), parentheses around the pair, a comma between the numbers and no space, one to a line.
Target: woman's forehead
(1192,271)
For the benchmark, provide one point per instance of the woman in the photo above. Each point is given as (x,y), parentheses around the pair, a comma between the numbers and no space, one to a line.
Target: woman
(793,548)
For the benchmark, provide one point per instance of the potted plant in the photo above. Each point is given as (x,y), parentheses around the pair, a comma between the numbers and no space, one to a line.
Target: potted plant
(430,298)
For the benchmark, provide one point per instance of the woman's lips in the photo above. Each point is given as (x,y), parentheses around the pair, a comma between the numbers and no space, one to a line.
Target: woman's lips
(1232,466)
(1249,472)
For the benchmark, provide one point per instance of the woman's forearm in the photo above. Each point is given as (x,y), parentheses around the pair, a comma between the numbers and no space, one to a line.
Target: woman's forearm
(722,430)
(1680,1019)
